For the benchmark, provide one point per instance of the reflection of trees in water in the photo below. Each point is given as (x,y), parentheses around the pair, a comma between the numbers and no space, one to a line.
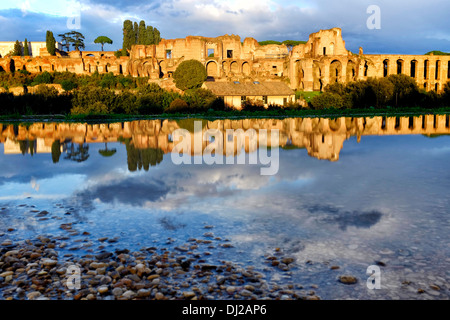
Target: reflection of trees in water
(77,152)
(138,158)
(27,146)
(56,151)
(107,152)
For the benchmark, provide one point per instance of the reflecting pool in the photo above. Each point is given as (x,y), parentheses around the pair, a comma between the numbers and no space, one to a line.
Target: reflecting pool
(349,193)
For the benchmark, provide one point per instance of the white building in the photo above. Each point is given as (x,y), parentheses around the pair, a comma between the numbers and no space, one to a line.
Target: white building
(33,46)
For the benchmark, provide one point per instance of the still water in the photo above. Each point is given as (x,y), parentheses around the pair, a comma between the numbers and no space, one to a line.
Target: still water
(349,192)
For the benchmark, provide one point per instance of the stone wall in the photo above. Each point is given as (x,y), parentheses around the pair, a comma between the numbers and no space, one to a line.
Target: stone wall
(308,67)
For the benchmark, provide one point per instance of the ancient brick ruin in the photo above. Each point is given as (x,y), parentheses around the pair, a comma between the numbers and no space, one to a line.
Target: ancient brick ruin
(308,67)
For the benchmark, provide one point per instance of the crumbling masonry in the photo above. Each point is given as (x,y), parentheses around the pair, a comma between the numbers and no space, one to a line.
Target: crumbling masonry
(308,67)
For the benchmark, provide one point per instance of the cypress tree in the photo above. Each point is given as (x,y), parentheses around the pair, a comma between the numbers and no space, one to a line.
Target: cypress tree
(141,33)
(26,50)
(50,43)
(156,36)
(128,34)
(136,33)
(149,36)
(17,49)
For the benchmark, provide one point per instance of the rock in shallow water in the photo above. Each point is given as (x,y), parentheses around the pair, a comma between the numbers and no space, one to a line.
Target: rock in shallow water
(348,279)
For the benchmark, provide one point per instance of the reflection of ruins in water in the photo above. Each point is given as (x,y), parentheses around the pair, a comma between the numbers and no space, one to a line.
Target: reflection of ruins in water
(147,140)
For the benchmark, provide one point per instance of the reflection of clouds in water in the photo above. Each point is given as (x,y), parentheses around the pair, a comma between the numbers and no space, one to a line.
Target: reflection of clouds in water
(438,151)
(129,191)
(344,219)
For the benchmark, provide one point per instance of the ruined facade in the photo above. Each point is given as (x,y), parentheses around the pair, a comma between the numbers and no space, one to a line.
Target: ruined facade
(324,59)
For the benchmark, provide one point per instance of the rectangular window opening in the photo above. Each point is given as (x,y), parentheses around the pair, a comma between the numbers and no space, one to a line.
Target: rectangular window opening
(229,54)
(210,53)
(169,54)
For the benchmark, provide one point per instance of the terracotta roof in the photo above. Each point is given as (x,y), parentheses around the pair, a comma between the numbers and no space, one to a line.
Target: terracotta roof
(249,88)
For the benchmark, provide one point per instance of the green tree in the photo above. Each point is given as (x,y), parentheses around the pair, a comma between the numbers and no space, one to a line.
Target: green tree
(327,100)
(102,40)
(50,43)
(65,40)
(405,89)
(17,51)
(136,33)
(141,38)
(77,40)
(156,36)
(266,42)
(127,34)
(149,37)
(26,50)
(190,74)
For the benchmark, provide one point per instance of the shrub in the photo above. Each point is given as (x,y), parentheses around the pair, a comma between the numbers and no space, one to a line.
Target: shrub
(252,106)
(405,90)
(68,85)
(190,74)
(327,100)
(178,105)
(150,103)
(44,77)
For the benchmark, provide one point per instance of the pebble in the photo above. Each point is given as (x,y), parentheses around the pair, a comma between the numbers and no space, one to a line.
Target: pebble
(142,293)
(49,262)
(230,289)
(6,273)
(129,294)
(245,293)
(348,279)
(159,296)
(117,292)
(103,289)
(33,295)
(188,294)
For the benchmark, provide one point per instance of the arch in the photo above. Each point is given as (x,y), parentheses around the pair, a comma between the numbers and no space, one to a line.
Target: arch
(425,69)
(234,68)
(162,68)
(438,70)
(211,69)
(413,73)
(335,71)
(386,68)
(366,69)
(12,66)
(335,124)
(399,66)
(246,68)
(351,71)
(90,55)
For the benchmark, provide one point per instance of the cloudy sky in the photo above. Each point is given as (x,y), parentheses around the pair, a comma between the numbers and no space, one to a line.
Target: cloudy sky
(409,26)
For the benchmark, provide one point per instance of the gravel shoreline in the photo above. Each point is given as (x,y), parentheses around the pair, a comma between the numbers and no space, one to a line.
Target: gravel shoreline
(34,270)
